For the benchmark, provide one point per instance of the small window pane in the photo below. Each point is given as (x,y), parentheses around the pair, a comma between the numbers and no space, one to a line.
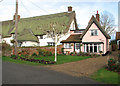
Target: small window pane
(94,32)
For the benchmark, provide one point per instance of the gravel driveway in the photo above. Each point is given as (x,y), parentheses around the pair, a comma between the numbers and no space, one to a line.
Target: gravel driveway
(84,67)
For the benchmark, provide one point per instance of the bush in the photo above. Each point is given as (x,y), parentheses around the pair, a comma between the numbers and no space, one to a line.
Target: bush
(34,54)
(62,49)
(50,53)
(94,55)
(113,65)
(47,53)
(71,53)
(6,49)
(43,52)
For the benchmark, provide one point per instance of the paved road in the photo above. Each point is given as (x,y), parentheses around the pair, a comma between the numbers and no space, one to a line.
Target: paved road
(24,74)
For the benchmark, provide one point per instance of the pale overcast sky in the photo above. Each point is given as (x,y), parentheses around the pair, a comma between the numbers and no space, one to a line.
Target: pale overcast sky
(84,10)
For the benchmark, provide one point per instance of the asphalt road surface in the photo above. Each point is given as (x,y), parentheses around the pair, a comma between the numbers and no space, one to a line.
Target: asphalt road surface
(24,74)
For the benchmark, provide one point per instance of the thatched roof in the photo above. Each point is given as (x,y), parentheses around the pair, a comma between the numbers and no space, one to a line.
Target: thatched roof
(40,24)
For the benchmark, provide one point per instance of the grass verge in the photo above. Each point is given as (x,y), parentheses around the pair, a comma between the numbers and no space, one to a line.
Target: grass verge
(106,76)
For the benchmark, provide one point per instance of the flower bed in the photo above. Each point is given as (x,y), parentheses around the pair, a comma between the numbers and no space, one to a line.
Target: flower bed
(33,60)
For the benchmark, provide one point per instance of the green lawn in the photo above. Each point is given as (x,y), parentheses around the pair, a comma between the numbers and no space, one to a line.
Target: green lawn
(60,59)
(106,76)
(64,59)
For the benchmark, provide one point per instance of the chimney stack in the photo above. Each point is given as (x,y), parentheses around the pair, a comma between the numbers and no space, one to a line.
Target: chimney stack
(97,16)
(18,17)
(69,9)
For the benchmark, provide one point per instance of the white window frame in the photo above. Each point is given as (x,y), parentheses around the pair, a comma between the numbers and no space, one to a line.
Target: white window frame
(77,46)
(94,32)
(67,45)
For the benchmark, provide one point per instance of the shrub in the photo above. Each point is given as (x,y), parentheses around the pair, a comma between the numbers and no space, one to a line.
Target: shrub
(43,52)
(62,49)
(110,53)
(6,49)
(112,64)
(34,54)
(94,55)
(50,54)
(71,53)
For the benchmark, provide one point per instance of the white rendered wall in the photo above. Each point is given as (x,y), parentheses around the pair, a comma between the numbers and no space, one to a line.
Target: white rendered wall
(29,43)
(8,40)
(45,40)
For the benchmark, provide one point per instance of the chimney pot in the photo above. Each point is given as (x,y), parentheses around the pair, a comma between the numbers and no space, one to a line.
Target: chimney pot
(69,8)
(97,16)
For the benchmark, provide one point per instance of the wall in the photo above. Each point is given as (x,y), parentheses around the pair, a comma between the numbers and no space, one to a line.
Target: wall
(32,50)
(8,40)
(29,43)
(43,42)
(100,38)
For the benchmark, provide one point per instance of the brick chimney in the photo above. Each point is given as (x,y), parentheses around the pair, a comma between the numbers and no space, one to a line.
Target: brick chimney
(18,17)
(97,16)
(69,8)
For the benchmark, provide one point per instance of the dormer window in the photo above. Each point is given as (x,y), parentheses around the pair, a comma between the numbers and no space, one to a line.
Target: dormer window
(94,32)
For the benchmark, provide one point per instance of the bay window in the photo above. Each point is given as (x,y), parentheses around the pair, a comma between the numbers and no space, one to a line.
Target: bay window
(92,48)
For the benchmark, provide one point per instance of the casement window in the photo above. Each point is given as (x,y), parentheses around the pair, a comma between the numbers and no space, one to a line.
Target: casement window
(67,45)
(94,32)
(77,46)
(51,44)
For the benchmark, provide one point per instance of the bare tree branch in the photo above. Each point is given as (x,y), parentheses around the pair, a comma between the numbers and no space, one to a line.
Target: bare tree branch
(107,22)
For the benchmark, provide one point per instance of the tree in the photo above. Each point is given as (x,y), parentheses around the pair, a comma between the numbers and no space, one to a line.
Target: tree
(107,22)
(54,31)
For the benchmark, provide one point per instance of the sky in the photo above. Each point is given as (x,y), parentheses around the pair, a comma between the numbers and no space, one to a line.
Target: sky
(84,9)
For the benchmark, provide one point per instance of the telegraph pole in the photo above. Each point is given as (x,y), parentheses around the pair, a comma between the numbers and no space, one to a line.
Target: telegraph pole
(16,26)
